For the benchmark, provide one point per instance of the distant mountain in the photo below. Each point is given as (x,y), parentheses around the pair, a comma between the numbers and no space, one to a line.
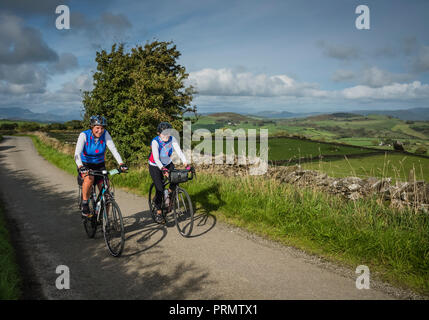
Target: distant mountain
(229,116)
(25,114)
(283,114)
(416,114)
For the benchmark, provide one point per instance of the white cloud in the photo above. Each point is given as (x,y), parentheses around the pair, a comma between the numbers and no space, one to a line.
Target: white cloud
(377,85)
(371,76)
(395,91)
(343,75)
(82,82)
(21,79)
(22,44)
(65,100)
(375,77)
(225,82)
(66,62)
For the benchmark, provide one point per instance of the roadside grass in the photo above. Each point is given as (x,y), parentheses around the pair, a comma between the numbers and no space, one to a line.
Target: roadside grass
(10,279)
(393,244)
(61,160)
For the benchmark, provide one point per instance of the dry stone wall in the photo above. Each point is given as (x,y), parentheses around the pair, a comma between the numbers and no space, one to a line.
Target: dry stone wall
(411,194)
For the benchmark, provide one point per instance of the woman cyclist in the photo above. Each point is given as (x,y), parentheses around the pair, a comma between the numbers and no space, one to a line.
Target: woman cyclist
(160,162)
(90,154)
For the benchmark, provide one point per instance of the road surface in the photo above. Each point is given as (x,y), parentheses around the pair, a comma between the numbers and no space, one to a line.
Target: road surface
(218,262)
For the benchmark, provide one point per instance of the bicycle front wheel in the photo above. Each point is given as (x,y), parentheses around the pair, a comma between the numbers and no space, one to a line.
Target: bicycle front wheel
(113,228)
(79,198)
(151,200)
(183,212)
(90,224)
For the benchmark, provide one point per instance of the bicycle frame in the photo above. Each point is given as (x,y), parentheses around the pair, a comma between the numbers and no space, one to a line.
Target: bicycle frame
(105,199)
(167,182)
(104,188)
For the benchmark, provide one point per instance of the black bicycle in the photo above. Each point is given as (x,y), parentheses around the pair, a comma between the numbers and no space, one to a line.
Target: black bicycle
(179,201)
(104,211)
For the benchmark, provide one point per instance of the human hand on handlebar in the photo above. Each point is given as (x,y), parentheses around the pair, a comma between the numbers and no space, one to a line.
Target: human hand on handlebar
(165,172)
(83,170)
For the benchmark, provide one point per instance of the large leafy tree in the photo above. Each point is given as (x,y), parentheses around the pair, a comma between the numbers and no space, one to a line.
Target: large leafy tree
(137,90)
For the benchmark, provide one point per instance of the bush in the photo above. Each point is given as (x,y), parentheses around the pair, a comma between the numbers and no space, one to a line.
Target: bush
(29,126)
(421,150)
(74,125)
(55,126)
(8,126)
(135,91)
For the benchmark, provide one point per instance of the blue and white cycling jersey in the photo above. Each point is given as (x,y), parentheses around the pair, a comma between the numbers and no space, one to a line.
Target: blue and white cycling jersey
(162,150)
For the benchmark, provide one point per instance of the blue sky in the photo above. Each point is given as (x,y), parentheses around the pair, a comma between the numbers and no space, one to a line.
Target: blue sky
(243,56)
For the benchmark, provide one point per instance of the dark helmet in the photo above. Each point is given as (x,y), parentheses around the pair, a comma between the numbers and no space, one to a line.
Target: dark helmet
(163,126)
(98,121)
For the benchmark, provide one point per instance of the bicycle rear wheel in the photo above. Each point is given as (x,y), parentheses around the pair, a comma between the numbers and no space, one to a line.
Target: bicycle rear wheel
(183,212)
(151,200)
(113,228)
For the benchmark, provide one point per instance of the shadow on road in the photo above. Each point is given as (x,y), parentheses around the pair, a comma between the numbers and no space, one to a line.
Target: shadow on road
(141,228)
(51,232)
(206,201)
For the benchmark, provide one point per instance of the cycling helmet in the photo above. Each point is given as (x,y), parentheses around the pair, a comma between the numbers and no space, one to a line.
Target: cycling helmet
(163,126)
(98,121)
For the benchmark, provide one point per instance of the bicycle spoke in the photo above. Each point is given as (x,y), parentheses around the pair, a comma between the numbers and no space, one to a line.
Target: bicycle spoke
(90,224)
(183,213)
(113,228)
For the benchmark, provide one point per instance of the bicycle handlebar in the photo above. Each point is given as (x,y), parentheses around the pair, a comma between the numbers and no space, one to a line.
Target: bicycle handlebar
(102,173)
(190,169)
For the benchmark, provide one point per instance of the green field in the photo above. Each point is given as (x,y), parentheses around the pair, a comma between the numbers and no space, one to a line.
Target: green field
(288,148)
(283,148)
(396,166)
(356,130)
(361,161)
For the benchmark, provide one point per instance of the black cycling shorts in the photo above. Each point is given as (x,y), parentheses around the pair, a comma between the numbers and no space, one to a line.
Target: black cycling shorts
(95,166)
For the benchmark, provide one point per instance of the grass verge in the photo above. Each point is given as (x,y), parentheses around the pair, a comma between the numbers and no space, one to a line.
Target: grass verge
(10,279)
(393,244)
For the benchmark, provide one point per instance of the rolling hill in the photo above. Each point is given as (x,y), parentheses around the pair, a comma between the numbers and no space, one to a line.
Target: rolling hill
(25,114)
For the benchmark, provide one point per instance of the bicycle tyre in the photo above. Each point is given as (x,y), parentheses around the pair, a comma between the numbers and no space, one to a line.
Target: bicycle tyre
(90,224)
(113,218)
(183,212)
(151,200)
(79,198)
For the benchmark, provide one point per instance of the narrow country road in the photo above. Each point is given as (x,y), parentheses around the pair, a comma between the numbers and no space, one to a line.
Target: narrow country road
(218,262)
